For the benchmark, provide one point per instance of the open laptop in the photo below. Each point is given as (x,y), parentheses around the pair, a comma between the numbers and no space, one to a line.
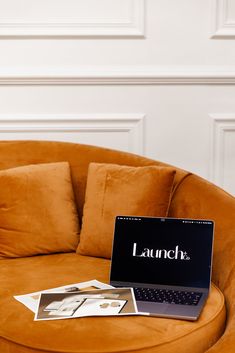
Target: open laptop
(166,260)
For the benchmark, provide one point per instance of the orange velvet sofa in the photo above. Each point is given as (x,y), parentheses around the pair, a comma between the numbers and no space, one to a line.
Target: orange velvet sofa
(191,197)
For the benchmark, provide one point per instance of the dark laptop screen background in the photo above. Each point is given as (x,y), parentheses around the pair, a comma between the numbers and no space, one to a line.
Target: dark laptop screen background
(162,251)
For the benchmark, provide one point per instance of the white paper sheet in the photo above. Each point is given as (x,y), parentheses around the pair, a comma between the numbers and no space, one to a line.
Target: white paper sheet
(30,300)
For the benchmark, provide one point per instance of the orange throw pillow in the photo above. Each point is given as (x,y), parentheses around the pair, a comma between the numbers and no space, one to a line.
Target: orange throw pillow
(37,210)
(120,190)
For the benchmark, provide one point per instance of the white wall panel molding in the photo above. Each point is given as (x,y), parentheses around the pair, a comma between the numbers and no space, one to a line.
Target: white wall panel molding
(223,151)
(223,19)
(122,75)
(76,18)
(119,131)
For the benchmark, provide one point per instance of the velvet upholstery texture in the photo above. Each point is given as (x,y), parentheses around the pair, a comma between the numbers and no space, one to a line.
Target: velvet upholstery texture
(20,334)
(197,198)
(120,190)
(192,197)
(20,153)
(37,210)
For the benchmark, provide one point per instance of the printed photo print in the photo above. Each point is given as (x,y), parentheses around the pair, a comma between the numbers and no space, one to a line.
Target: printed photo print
(101,302)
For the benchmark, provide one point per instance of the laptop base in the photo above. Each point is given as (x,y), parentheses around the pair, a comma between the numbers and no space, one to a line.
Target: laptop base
(168,310)
(174,311)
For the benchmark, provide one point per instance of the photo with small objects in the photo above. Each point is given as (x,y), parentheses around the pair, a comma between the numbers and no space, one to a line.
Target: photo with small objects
(101,302)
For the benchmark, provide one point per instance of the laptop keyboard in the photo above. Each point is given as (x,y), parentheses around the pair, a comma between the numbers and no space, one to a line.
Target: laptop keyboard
(167,296)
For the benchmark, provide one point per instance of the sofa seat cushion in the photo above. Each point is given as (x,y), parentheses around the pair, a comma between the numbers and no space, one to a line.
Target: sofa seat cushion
(20,334)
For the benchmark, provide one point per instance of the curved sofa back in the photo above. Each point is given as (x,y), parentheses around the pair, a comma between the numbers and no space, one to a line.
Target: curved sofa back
(18,153)
(193,197)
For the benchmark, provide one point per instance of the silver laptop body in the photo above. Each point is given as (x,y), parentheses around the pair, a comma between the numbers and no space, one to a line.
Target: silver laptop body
(164,258)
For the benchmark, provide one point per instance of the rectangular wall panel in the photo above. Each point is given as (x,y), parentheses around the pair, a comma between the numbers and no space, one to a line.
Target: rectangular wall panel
(65,18)
(223,19)
(223,151)
(117,131)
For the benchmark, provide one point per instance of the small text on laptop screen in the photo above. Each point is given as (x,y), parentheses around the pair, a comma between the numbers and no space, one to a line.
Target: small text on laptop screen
(163,251)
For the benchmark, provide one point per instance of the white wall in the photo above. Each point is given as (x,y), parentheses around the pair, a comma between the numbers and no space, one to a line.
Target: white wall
(153,77)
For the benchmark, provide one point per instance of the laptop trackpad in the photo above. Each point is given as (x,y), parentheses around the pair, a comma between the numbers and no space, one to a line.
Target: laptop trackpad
(150,307)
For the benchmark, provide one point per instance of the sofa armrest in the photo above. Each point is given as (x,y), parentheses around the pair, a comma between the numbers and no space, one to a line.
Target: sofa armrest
(225,344)
(198,198)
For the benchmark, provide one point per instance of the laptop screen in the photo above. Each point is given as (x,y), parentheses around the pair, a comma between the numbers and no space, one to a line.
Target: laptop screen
(163,251)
